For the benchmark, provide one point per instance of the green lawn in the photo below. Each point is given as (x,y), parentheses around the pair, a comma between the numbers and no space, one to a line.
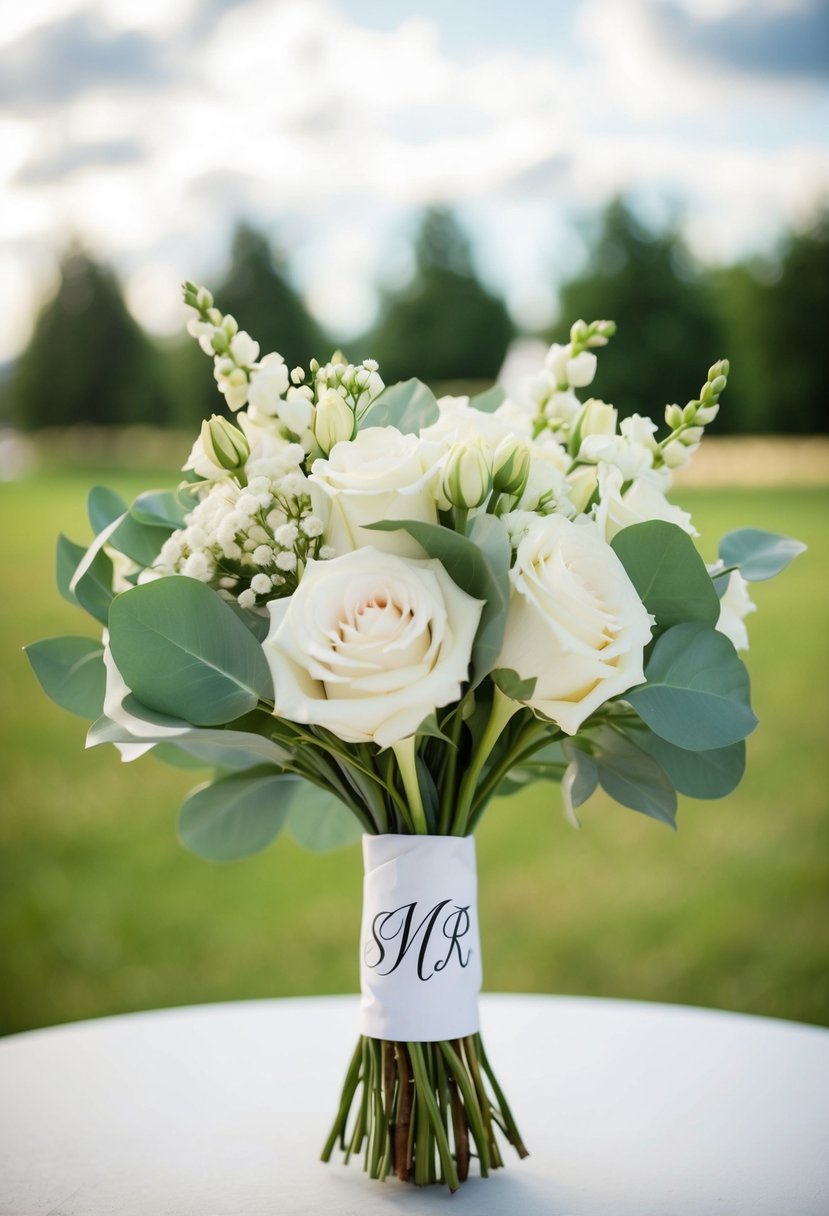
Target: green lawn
(102,911)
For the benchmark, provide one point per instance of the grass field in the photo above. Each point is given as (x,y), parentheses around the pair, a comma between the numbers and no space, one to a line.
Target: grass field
(102,911)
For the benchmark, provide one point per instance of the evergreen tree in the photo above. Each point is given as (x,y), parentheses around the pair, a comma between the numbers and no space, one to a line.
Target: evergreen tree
(668,336)
(88,360)
(774,318)
(256,291)
(444,325)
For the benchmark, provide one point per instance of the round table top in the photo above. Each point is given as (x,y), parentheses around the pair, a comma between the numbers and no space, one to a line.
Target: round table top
(628,1109)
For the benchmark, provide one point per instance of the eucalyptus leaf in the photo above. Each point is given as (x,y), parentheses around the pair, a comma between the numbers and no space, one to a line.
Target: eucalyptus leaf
(668,573)
(68,557)
(319,821)
(488,401)
(236,750)
(410,406)
(169,754)
(697,694)
(103,506)
(710,774)
(236,816)
(161,509)
(140,542)
(91,584)
(70,670)
(759,555)
(579,781)
(631,777)
(183,652)
(480,567)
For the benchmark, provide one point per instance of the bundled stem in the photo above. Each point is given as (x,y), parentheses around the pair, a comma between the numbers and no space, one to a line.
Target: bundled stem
(419,1107)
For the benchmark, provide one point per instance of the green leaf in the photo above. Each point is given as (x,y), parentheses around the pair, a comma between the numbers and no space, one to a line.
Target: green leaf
(92,583)
(632,777)
(410,406)
(668,573)
(697,694)
(182,651)
(759,555)
(488,402)
(579,781)
(320,822)
(140,542)
(236,750)
(236,816)
(68,557)
(71,671)
(711,774)
(168,753)
(480,567)
(511,684)
(103,506)
(161,509)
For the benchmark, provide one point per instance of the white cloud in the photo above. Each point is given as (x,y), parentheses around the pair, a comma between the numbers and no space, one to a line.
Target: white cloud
(310,125)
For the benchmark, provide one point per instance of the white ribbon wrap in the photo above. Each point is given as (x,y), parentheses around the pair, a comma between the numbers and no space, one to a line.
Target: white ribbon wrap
(420,949)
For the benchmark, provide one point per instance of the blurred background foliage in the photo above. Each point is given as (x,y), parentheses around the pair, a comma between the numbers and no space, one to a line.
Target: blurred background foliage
(88,361)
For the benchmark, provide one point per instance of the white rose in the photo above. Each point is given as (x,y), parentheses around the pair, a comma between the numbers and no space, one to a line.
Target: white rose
(644,499)
(380,474)
(575,621)
(460,422)
(735,606)
(369,645)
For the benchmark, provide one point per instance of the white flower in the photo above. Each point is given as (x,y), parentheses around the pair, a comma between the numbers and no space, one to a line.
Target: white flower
(630,458)
(333,420)
(261,584)
(598,418)
(380,474)
(569,370)
(735,606)
(246,598)
(459,422)
(369,645)
(268,385)
(644,499)
(575,621)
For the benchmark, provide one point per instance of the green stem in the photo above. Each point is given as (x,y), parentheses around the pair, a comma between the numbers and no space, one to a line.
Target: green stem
(470,1101)
(352,1080)
(532,738)
(427,1103)
(406,762)
(503,709)
(449,774)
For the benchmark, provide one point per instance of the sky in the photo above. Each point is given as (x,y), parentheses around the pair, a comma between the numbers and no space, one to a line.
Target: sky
(147,128)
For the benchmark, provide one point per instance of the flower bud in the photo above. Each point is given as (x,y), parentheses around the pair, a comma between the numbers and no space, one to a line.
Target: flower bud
(511,467)
(598,418)
(334,420)
(673,416)
(706,414)
(467,477)
(224,444)
(675,455)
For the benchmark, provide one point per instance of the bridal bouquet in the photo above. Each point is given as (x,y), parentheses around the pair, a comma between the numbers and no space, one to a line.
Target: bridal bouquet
(370,612)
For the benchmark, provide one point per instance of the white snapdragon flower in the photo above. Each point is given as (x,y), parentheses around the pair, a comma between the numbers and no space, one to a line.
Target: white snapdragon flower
(570,371)
(735,606)
(268,385)
(643,499)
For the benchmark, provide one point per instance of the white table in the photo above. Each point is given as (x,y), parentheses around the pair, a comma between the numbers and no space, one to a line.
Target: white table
(628,1110)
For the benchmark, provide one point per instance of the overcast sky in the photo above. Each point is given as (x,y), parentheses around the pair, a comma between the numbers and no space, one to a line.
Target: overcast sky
(147,127)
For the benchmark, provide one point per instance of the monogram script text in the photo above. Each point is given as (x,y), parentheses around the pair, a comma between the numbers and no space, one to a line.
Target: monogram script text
(439,933)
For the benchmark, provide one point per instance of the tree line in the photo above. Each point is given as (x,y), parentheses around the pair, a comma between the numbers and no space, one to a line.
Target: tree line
(88,360)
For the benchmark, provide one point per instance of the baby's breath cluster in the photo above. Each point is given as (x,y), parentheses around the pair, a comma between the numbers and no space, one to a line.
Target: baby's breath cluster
(251,541)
